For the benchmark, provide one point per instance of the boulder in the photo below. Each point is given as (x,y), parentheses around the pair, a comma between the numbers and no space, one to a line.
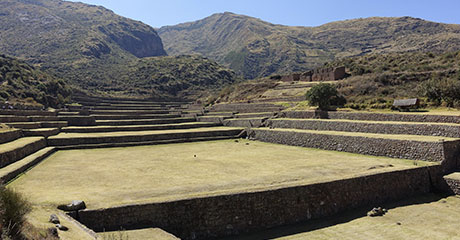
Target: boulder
(62,227)
(378,211)
(75,205)
(52,231)
(54,219)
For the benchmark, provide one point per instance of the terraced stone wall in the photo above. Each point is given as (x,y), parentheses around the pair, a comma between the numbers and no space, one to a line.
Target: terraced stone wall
(446,152)
(10,135)
(412,129)
(218,216)
(371,116)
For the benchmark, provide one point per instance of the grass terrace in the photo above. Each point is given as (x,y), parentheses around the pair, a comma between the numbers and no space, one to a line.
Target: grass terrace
(117,176)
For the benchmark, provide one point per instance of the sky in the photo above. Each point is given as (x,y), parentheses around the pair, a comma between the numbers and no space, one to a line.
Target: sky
(159,13)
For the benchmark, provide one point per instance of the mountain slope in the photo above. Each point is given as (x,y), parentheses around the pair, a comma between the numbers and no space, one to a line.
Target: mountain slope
(85,44)
(19,80)
(255,48)
(102,53)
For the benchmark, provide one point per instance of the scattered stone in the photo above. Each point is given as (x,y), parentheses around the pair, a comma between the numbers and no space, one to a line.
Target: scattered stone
(247,143)
(237,140)
(53,232)
(54,219)
(398,223)
(75,205)
(378,211)
(62,227)
(194,155)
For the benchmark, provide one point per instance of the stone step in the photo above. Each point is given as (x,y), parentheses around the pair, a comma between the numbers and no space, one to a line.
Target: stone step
(42,118)
(245,122)
(68,113)
(384,127)
(54,124)
(372,116)
(27,113)
(78,120)
(137,127)
(13,118)
(229,114)
(66,139)
(13,170)
(415,147)
(44,132)
(453,182)
(132,117)
(128,112)
(143,121)
(25,125)
(256,115)
(13,151)
(128,107)
(215,118)
(9,135)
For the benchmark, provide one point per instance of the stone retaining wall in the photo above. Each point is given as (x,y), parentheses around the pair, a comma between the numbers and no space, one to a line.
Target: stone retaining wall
(371,116)
(10,135)
(245,122)
(219,216)
(411,129)
(78,120)
(246,107)
(52,141)
(14,155)
(445,152)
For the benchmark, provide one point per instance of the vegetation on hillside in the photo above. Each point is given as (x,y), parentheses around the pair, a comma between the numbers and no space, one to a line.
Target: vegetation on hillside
(255,48)
(19,80)
(377,79)
(324,95)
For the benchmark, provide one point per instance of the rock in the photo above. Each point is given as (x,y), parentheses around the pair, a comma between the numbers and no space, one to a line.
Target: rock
(378,211)
(62,227)
(75,205)
(53,232)
(54,219)
(247,143)
(236,140)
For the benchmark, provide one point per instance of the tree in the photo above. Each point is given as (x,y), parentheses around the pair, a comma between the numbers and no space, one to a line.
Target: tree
(324,95)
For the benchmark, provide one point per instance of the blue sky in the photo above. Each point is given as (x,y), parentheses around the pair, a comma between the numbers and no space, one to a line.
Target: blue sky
(159,13)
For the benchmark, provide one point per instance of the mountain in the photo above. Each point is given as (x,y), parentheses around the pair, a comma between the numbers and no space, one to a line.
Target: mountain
(94,49)
(255,48)
(19,81)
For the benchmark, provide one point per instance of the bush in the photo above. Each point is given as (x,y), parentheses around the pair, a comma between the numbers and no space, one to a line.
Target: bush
(14,208)
(324,95)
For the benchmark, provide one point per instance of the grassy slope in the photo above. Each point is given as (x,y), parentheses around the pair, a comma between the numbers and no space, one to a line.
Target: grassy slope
(19,80)
(376,79)
(256,48)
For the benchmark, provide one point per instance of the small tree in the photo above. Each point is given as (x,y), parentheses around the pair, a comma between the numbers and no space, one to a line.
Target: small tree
(324,95)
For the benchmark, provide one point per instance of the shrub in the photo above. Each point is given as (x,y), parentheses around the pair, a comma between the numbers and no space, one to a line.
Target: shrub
(324,95)
(14,208)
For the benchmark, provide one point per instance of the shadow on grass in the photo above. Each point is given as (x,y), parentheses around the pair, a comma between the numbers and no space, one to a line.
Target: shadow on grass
(333,220)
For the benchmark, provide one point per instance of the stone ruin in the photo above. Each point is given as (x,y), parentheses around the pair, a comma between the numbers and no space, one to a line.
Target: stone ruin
(317,75)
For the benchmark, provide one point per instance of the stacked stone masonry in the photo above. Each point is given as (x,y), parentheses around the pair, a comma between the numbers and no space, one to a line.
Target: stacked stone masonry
(219,216)
(371,127)
(417,150)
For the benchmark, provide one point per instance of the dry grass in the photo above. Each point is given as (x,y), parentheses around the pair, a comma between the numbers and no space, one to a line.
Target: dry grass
(425,217)
(117,176)
(371,135)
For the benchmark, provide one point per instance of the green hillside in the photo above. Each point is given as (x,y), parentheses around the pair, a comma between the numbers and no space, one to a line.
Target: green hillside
(19,81)
(255,48)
